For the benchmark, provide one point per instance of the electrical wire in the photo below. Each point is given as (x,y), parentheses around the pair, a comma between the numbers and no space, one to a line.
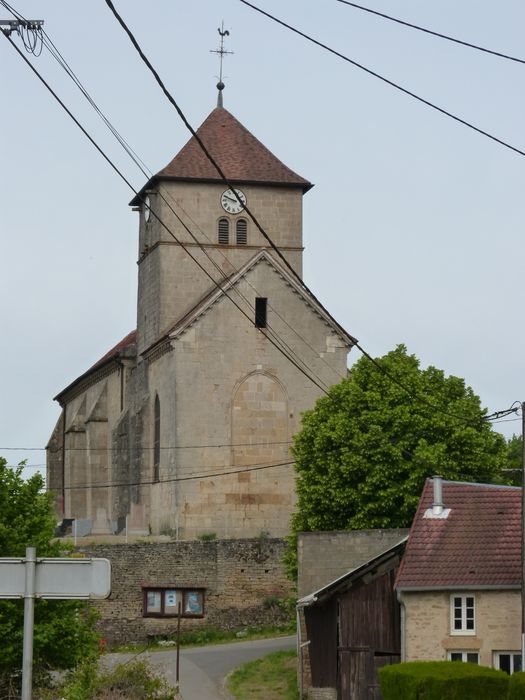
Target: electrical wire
(147,173)
(173,479)
(173,102)
(181,243)
(405,91)
(171,99)
(170,447)
(429,31)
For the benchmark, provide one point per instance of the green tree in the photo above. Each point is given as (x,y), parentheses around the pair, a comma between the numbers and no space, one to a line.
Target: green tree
(514,460)
(363,453)
(64,632)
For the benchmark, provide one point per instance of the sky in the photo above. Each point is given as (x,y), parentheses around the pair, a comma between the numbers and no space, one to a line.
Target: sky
(413,231)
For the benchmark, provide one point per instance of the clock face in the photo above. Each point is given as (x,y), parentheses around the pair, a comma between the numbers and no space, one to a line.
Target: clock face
(147,208)
(230,203)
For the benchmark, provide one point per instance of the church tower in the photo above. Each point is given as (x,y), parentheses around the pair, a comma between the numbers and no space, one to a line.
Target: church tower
(194,231)
(190,418)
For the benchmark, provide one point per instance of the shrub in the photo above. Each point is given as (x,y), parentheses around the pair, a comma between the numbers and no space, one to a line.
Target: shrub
(442,680)
(207,536)
(128,681)
(517,686)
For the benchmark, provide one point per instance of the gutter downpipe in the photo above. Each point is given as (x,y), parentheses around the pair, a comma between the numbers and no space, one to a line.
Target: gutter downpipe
(402,621)
(299,653)
(301,644)
(64,461)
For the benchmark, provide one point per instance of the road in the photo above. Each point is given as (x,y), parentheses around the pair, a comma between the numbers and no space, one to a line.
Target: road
(203,669)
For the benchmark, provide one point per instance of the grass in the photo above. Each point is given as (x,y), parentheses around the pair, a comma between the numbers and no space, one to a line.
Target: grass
(274,677)
(214,635)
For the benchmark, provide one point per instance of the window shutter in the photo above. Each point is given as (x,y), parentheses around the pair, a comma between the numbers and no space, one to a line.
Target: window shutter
(242,232)
(224,231)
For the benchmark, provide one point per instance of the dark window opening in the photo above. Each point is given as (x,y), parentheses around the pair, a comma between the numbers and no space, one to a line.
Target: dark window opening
(224,231)
(156,440)
(260,312)
(242,231)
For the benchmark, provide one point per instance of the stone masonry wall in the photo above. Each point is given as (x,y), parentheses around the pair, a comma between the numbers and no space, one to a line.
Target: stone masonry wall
(241,579)
(324,556)
(428,625)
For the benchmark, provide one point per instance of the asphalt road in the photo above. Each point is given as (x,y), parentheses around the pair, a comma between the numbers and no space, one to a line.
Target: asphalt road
(203,669)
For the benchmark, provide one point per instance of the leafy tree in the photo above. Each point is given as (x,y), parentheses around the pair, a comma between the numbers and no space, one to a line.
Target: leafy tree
(363,453)
(63,629)
(515,460)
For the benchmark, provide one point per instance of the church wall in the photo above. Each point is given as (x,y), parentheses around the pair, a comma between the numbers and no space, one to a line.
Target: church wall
(90,418)
(278,210)
(223,366)
(148,319)
(54,465)
(242,580)
(170,283)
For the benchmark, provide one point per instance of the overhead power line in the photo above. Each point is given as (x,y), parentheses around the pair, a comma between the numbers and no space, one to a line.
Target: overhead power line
(402,89)
(216,446)
(430,31)
(409,392)
(217,284)
(285,348)
(243,470)
(181,114)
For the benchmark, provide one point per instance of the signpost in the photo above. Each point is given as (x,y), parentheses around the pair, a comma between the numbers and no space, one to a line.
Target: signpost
(49,578)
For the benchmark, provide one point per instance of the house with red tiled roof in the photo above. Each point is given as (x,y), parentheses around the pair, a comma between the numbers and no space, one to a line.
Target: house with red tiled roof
(459,583)
(185,425)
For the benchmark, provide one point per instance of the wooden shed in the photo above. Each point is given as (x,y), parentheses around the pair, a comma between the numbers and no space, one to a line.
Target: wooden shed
(349,629)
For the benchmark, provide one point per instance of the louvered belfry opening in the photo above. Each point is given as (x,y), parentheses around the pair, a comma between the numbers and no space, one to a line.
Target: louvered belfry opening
(224,231)
(241,229)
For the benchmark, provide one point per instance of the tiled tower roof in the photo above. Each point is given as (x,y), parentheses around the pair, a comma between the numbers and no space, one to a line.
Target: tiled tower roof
(241,156)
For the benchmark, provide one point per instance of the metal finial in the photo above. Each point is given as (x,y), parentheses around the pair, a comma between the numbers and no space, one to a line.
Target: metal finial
(221,52)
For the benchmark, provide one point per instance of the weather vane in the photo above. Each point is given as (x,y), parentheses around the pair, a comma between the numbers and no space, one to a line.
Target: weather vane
(221,51)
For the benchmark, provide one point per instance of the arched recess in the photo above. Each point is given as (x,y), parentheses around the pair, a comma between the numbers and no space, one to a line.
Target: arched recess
(260,424)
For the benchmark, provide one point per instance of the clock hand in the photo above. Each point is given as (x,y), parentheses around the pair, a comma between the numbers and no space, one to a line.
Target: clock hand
(232,199)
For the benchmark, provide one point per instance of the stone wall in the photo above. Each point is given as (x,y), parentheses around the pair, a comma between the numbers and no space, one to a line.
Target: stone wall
(322,694)
(241,578)
(324,556)
(428,625)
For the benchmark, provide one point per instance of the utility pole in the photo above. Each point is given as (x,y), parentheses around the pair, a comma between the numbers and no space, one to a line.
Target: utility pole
(523,533)
(8,26)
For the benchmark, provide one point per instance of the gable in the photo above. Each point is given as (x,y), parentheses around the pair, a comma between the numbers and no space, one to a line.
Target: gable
(243,288)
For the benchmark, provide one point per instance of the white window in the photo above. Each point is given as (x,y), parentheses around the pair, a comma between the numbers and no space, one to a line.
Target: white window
(471,657)
(462,618)
(508,661)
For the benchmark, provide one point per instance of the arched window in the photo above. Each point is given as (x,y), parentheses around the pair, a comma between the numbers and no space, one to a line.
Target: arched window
(156,440)
(241,229)
(224,231)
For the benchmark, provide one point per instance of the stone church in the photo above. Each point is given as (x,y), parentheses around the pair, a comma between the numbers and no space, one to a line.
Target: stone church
(185,425)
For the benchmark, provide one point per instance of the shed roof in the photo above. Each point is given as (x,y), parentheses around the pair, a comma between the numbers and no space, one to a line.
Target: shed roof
(477,545)
(386,558)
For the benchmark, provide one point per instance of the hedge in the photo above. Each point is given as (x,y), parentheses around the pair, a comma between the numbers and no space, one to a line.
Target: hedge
(517,686)
(443,680)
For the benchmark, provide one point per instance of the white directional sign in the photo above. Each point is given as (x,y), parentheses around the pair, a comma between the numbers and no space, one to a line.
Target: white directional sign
(47,577)
(57,578)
